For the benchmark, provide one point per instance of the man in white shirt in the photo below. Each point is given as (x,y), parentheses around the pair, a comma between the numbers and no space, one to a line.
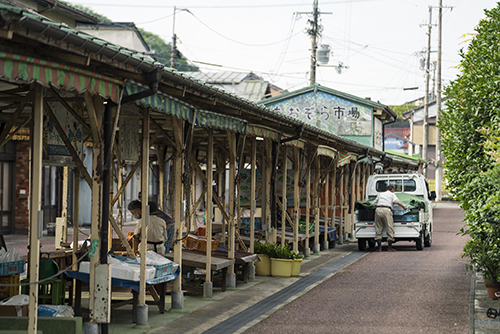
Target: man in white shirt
(157,229)
(383,217)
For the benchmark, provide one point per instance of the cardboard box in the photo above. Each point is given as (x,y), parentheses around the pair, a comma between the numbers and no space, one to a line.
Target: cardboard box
(13,311)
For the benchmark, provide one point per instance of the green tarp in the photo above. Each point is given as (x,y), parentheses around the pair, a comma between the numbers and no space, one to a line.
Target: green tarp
(407,199)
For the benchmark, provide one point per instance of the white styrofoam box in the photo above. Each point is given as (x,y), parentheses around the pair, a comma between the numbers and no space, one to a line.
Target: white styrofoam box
(131,272)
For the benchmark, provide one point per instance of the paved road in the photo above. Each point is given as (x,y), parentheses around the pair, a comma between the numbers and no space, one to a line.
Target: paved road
(407,291)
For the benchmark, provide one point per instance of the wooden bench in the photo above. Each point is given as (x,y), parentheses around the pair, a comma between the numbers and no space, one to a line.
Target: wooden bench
(195,259)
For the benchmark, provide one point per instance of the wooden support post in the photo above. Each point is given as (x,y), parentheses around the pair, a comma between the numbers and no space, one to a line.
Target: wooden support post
(358,182)
(119,217)
(64,208)
(308,203)
(352,201)
(253,172)
(96,221)
(221,169)
(341,205)
(76,213)
(267,194)
(144,200)
(316,197)
(283,194)
(232,188)
(160,153)
(178,126)
(35,206)
(296,198)
(334,195)
(208,206)
(327,204)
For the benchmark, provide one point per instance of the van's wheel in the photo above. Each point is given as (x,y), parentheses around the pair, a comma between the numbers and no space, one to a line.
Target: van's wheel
(362,244)
(428,239)
(420,241)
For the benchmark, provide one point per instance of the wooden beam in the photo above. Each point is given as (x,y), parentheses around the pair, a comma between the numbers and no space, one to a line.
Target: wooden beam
(122,237)
(70,109)
(69,145)
(8,126)
(13,133)
(93,118)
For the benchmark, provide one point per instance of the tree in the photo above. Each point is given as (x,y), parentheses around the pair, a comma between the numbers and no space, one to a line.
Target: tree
(473,109)
(163,52)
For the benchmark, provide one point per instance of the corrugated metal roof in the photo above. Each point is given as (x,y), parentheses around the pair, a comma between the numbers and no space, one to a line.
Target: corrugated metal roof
(224,77)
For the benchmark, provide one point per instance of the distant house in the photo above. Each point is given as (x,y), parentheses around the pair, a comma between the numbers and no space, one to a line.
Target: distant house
(124,34)
(338,113)
(247,85)
(416,118)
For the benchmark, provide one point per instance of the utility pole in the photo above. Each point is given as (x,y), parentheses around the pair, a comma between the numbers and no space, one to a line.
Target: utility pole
(439,167)
(314,45)
(173,54)
(426,97)
(315,33)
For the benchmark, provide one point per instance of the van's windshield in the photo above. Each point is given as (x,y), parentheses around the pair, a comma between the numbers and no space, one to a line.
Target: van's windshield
(399,185)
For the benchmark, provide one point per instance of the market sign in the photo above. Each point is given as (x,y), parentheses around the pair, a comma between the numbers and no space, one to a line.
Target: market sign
(328,112)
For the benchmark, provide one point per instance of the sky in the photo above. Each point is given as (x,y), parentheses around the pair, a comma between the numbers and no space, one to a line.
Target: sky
(377,43)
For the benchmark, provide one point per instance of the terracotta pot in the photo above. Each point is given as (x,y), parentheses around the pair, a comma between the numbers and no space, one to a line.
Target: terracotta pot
(491,289)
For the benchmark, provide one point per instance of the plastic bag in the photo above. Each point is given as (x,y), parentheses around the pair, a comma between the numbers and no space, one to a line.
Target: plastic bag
(55,311)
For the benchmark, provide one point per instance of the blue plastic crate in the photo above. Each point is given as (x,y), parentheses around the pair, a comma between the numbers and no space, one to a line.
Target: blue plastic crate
(406,218)
(245,224)
(399,211)
(12,268)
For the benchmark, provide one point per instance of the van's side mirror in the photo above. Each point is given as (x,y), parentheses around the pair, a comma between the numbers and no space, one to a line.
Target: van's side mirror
(433,195)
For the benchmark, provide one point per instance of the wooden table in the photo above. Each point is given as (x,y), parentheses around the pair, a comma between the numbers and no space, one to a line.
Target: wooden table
(160,282)
(196,259)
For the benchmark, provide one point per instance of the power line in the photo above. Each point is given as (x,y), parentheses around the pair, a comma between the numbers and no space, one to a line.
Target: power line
(222,7)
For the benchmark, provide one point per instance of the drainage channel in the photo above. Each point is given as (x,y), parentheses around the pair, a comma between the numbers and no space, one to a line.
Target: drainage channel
(241,319)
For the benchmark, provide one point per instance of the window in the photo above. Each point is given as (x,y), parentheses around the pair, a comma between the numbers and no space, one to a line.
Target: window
(399,185)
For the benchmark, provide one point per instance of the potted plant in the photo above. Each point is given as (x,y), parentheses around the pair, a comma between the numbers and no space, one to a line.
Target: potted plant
(262,268)
(281,260)
(484,254)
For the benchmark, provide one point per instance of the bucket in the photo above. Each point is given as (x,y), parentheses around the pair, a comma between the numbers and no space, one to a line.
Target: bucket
(296,267)
(263,268)
(281,267)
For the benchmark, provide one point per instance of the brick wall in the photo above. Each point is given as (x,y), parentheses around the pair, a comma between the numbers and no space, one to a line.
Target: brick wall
(21,173)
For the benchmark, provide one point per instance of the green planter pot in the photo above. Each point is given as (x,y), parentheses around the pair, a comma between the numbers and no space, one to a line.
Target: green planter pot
(281,267)
(263,268)
(296,267)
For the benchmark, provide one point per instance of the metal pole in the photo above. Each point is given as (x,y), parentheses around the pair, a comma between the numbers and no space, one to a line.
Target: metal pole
(439,169)
(174,43)
(426,97)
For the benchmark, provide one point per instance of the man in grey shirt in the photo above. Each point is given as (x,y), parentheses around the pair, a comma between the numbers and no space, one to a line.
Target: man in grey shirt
(383,216)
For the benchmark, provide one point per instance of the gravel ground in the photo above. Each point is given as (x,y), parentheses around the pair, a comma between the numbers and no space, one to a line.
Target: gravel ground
(408,291)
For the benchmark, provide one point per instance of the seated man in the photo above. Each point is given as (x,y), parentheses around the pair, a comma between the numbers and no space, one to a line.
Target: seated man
(157,230)
(154,210)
